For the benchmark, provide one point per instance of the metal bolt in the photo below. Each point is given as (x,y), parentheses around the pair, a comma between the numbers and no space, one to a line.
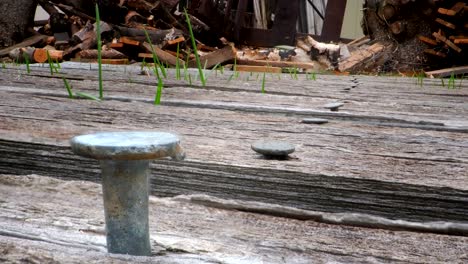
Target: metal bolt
(124,159)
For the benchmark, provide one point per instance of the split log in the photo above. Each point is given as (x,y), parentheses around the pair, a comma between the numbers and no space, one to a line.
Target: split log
(280,64)
(40,55)
(216,57)
(163,56)
(105,54)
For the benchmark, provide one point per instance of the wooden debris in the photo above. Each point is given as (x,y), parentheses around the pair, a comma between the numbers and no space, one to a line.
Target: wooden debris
(40,55)
(162,55)
(427,40)
(129,41)
(105,54)
(461,41)
(360,57)
(445,23)
(447,72)
(280,64)
(175,41)
(250,68)
(216,57)
(25,43)
(446,41)
(435,53)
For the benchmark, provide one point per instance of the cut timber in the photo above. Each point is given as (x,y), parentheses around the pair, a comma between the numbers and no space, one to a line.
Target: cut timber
(116,45)
(435,53)
(361,56)
(446,12)
(458,7)
(448,72)
(461,41)
(427,40)
(105,54)
(157,37)
(216,57)
(163,56)
(445,23)
(40,55)
(25,43)
(281,64)
(250,68)
(129,41)
(446,41)
(175,41)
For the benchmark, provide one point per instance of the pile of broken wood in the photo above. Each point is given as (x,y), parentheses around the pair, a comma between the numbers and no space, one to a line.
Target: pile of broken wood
(70,34)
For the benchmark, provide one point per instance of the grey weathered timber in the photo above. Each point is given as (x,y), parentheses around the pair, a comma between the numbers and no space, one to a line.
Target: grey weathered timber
(72,231)
(398,150)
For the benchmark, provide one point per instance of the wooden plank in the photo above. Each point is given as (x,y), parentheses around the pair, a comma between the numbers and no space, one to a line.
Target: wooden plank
(427,40)
(446,41)
(129,41)
(446,12)
(445,23)
(219,56)
(116,45)
(332,163)
(175,41)
(183,229)
(435,53)
(461,41)
(250,68)
(448,72)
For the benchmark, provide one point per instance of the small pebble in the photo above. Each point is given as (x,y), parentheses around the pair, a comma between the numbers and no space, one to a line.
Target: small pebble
(317,121)
(333,106)
(273,148)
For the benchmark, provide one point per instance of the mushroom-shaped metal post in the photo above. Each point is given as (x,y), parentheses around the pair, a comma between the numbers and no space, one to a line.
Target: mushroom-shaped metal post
(124,158)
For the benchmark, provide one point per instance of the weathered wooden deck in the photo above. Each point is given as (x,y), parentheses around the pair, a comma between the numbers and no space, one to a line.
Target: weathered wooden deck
(394,157)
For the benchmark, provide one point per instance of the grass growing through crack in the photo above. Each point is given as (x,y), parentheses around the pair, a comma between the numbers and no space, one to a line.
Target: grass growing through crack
(26,59)
(52,67)
(420,79)
(99,49)
(177,62)
(263,82)
(194,45)
(158,94)
(68,87)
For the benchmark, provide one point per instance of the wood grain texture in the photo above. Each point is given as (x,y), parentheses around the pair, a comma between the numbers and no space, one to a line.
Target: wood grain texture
(72,231)
(395,150)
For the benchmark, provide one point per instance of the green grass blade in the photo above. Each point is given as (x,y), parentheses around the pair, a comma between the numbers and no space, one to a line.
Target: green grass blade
(263,82)
(26,58)
(99,49)
(177,63)
(68,87)
(197,58)
(87,96)
(157,97)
